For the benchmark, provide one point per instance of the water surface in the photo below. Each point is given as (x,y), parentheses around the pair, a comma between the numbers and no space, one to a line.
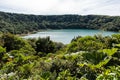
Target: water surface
(66,35)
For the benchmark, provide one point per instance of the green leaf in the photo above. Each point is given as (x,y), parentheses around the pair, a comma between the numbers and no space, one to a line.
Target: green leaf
(110,52)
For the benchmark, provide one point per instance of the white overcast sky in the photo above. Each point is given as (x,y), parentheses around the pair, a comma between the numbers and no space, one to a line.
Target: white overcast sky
(58,7)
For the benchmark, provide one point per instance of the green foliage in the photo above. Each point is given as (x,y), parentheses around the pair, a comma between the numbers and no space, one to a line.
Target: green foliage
(2,51)
(116,38)
(21,23)
(8,67)
(94,57)
(110,52)
(85,58)
(65,75)
(110,74)
(45,45)
(25,70)
(45,75)
(87,43)
(12,42)
(73,47)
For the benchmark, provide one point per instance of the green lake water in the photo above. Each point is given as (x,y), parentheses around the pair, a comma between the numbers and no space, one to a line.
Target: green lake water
(66,35)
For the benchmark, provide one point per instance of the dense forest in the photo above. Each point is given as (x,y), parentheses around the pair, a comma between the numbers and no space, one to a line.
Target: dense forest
(21,23)
(85,58)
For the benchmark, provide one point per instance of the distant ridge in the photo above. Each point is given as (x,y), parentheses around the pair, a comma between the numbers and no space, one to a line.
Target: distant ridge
(23,23)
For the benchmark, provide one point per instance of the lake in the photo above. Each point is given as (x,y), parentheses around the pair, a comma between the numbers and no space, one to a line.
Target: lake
(66,35)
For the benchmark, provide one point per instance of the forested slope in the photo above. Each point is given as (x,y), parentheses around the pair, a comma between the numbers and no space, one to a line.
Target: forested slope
(21,23)
(85,58)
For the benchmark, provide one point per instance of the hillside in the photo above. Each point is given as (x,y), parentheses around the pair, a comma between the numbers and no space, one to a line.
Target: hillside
(85,58)
(21,23)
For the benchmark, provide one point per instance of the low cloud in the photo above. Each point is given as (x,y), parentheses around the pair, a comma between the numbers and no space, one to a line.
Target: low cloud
(54,7)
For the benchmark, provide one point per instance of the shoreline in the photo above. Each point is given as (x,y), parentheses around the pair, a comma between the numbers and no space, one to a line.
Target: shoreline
(34,32)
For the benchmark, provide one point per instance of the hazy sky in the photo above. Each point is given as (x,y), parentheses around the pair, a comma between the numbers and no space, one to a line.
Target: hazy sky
(54,7)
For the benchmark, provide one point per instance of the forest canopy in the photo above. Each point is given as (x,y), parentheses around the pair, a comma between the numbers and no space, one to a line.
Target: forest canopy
(85,58)
(22,23)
